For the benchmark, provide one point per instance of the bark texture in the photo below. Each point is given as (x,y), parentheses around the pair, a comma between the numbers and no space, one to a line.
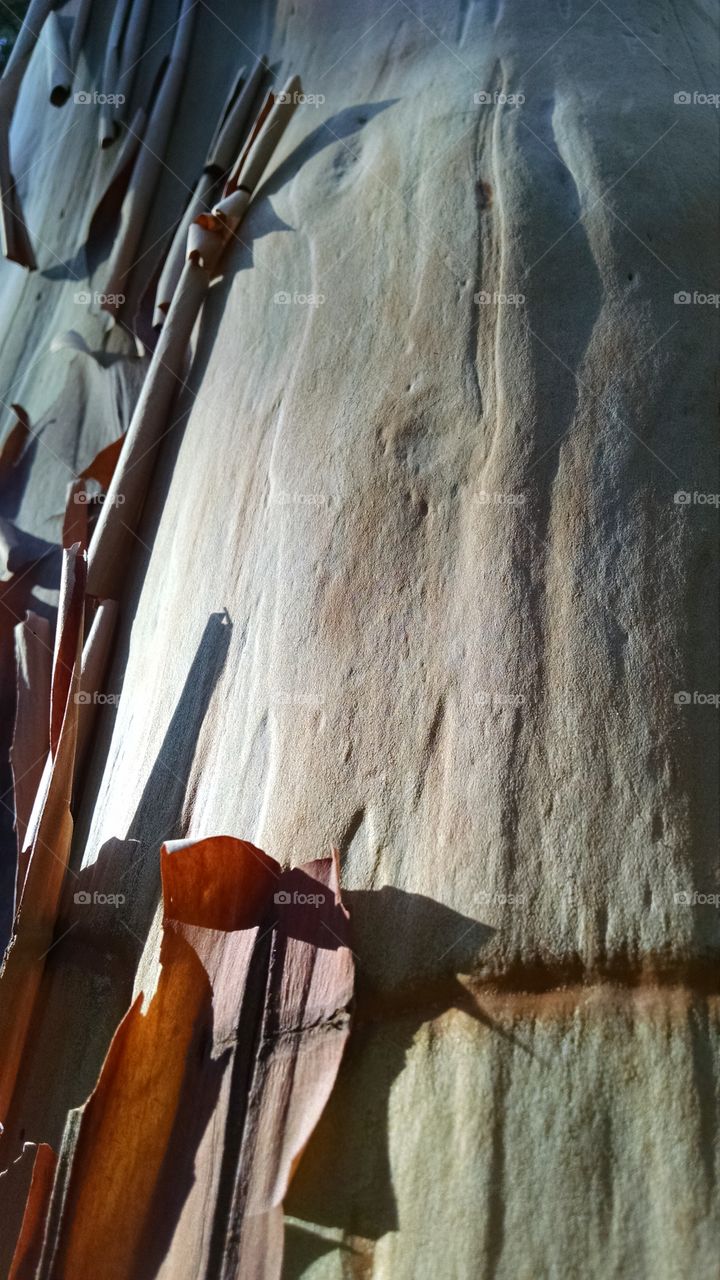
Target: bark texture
(428,558)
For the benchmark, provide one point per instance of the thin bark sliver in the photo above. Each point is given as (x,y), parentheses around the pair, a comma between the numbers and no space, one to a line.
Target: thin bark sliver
(149,162)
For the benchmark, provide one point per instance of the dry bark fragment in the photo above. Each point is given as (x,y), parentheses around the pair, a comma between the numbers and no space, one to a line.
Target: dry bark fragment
(29,1245)
(211,1088)
(48,837)
(31,737)
(208,238)
(149,161)
(221,153)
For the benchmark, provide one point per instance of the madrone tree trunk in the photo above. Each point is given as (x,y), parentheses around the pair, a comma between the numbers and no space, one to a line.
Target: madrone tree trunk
(426,571)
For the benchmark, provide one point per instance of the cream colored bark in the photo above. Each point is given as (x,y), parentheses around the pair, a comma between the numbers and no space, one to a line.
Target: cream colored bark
(413,578)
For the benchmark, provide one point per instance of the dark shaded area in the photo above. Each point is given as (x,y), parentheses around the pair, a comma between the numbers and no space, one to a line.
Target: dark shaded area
(158,816)
(11,20)
(16,597)
(303,1248)
(92,963)
(336,129)
(344,1178)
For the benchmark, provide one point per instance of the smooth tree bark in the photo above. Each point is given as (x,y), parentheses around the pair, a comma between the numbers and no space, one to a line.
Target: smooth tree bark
(423,567)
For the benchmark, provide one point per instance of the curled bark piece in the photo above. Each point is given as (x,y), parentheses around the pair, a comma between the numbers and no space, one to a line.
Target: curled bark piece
(131,53)
(28,35)
(102,467)
(48,837)
(29,1244)
(238,1049)
(149,160)
(108,556)
(303,1034)
(75,524)
(123,52)
(92,673)
(255,158)
(16,244)
(210,234)
(70,612)
(14,442)
(31,737)
(109,203)
(77,35)
(63,37)
(223,148)
(111,72)
(60,71)
(24,1193)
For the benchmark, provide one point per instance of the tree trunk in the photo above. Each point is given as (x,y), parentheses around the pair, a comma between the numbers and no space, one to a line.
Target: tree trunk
(427,571)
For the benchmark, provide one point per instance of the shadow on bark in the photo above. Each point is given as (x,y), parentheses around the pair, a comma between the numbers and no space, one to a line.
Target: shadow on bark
(345,1178)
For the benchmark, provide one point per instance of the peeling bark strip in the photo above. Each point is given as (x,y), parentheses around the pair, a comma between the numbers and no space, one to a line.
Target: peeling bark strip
(29,1245)
(48,837)
(13,445)
(208,238)
(31,736)
(222,151)
(150,158)
(14,236)
(211,1088)
(24,1196)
